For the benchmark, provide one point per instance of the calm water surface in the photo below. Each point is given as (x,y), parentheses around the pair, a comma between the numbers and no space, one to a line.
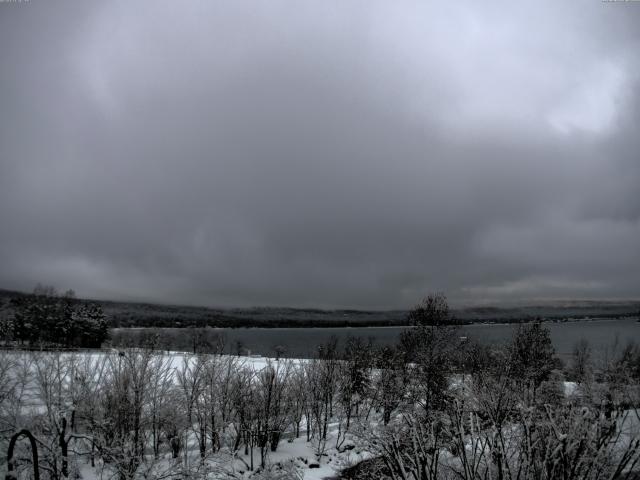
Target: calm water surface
(601,334)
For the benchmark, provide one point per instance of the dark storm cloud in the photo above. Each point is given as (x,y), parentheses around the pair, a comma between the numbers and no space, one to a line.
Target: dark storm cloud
(321,153)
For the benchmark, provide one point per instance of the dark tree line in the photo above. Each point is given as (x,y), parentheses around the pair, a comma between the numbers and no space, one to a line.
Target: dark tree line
(48,318)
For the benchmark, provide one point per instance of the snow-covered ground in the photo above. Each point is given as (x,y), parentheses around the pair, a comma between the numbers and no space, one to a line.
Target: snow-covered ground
(297,452)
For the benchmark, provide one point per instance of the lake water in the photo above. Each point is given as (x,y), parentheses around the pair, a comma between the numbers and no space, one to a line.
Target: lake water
(603,335)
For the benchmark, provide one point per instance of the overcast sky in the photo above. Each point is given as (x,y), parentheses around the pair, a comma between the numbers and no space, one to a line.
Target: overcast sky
(321,153)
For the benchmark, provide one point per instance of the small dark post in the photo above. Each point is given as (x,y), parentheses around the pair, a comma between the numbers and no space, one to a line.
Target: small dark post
(34,453)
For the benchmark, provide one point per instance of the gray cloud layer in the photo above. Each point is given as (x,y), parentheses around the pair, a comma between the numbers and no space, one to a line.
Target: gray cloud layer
(321,153)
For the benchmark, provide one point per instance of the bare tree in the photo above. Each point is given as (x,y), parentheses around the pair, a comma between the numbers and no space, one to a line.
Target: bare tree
(432,349)
(56,387)
(391,382)
(123,426)
(191,381)
(298,397)
(354,377)
(271,390)
(161,382)
(581,367)
(432,311)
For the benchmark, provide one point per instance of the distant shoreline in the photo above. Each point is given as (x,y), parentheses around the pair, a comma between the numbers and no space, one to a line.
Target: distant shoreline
(120,314)
(631,318)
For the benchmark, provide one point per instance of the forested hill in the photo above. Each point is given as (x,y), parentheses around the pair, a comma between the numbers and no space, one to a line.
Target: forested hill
(130,314)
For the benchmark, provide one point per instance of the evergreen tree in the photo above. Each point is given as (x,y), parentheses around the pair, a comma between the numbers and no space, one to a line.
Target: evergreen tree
(531,354)
(45,317)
